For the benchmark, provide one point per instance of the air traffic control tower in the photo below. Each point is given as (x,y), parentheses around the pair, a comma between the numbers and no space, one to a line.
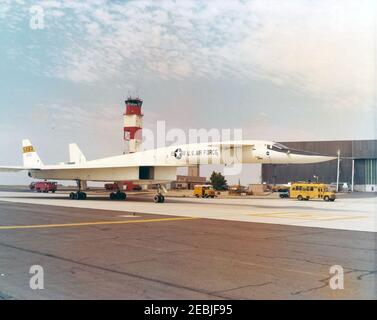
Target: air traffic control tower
(133,123)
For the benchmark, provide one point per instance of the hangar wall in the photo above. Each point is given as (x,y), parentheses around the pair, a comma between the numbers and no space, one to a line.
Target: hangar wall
(363,151)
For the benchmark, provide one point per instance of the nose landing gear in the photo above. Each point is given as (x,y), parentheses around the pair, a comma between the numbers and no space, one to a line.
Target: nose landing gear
(159,198)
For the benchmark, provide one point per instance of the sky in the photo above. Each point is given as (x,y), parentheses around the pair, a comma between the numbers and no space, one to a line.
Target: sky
(280,70)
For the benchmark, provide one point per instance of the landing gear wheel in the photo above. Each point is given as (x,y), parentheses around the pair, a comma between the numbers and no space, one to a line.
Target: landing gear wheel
(77,195)
(121,196)
(159,198)
(82,195)
(118,196)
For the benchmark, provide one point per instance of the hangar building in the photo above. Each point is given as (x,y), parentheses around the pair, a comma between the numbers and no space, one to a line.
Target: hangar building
(358,165)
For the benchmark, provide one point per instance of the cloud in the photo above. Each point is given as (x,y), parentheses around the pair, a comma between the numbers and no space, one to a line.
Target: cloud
(105,40)
(284,66)
(325,49)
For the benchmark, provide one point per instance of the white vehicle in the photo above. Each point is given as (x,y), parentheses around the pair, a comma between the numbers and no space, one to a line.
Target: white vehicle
(157,166)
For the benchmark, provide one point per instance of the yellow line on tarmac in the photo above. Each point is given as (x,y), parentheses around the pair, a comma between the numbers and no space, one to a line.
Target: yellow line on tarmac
(305,216)
(94,223)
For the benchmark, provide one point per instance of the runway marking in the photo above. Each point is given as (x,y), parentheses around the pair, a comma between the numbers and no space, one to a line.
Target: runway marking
(128,216)
(94,223)
(304,216)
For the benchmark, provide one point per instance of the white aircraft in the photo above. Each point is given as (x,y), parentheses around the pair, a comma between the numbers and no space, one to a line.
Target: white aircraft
(157,166)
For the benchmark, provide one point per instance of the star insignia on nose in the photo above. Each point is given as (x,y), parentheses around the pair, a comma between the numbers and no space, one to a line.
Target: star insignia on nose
(178,153)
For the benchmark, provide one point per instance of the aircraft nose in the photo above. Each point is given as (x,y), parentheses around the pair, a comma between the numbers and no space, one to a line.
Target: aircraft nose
(305,158)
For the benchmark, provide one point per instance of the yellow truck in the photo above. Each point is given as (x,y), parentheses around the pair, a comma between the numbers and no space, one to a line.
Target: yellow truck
(306,191)
(204,191)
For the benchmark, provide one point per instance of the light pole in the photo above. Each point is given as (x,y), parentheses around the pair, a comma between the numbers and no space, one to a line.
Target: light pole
(337,172)
(353,175)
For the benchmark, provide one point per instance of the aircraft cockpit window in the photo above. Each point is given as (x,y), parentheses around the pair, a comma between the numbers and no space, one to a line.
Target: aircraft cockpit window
(279,147)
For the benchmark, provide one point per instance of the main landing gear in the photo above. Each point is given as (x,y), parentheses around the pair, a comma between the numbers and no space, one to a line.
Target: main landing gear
(79,195)
(118,195)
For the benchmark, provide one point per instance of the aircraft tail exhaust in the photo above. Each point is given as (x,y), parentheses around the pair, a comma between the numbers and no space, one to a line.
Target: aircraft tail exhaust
(30,156)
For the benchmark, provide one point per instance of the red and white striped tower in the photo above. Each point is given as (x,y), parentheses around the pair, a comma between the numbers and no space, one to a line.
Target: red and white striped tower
(133,123)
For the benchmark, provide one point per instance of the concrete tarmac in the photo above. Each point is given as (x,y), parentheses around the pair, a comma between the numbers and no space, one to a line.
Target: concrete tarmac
(353,213)
(91,253)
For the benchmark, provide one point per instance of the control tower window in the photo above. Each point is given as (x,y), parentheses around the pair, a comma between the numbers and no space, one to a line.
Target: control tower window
(134,102)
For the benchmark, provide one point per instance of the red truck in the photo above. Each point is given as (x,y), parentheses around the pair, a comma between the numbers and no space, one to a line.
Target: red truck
(111,186)
(44,187)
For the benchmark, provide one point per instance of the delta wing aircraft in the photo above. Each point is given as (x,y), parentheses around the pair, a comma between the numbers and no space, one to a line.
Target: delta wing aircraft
(157,166)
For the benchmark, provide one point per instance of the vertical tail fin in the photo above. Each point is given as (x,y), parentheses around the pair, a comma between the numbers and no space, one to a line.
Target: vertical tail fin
(30,156)
(75,154)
